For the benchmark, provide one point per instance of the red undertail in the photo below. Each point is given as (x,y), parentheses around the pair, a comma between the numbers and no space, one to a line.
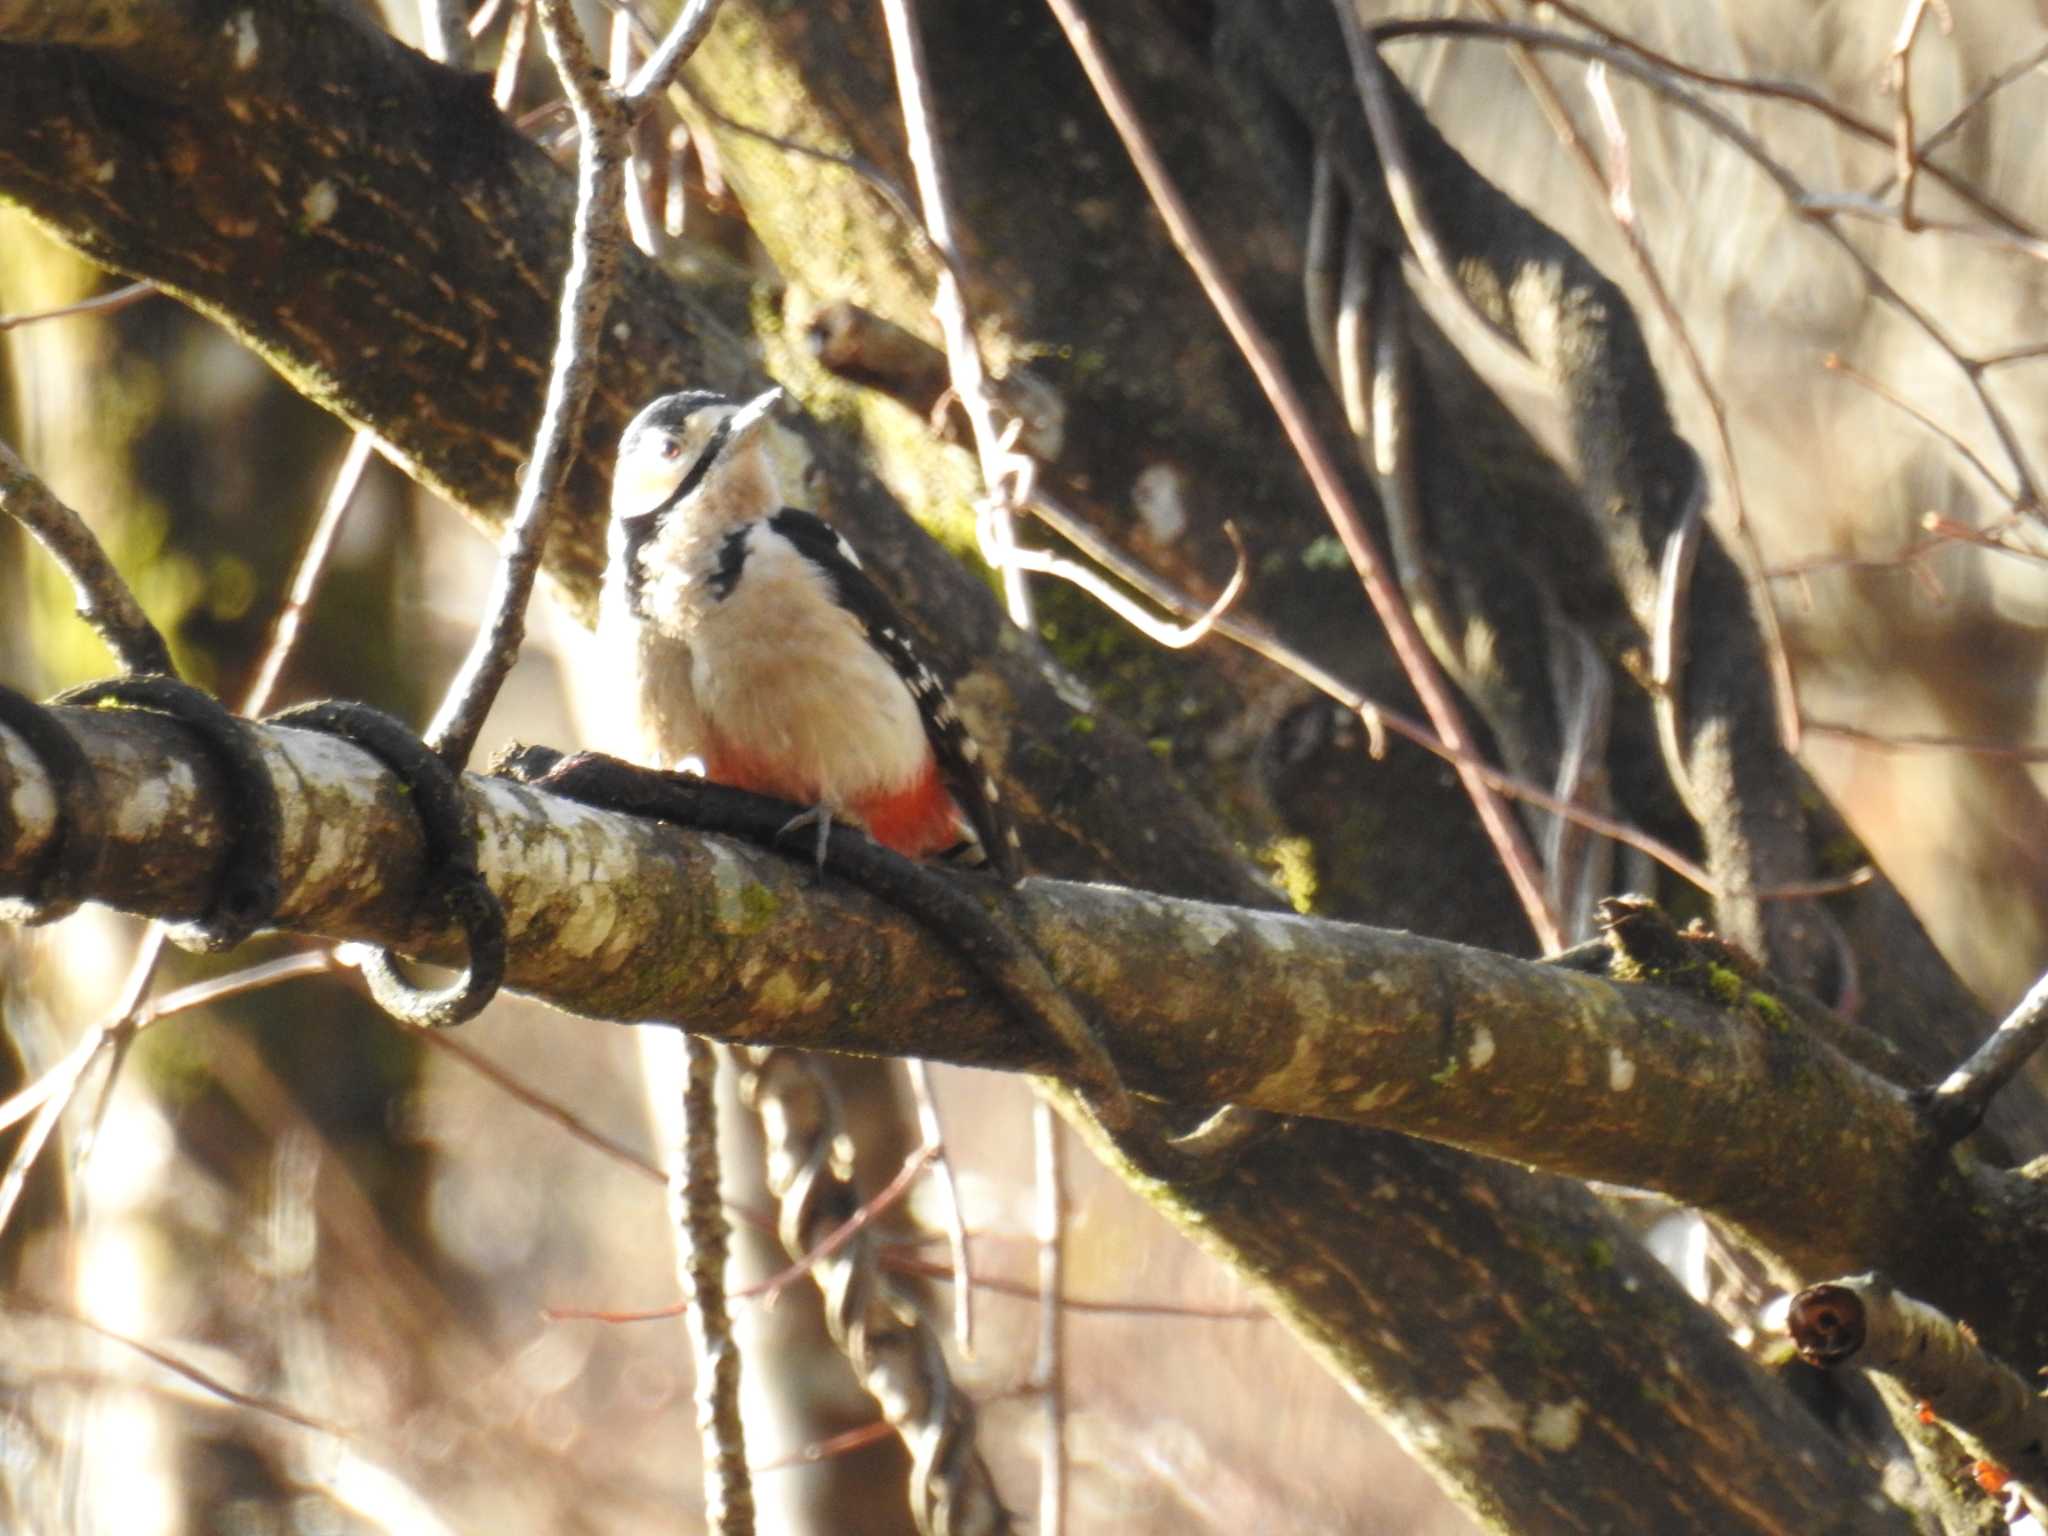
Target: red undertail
(917,820)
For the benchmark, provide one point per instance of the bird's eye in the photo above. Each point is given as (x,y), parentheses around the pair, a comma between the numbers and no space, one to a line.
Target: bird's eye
(670,449)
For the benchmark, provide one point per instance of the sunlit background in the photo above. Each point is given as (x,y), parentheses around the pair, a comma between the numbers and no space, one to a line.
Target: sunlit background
(345,1238)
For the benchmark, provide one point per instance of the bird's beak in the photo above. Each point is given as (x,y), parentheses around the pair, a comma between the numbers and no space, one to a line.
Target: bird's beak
(749,418)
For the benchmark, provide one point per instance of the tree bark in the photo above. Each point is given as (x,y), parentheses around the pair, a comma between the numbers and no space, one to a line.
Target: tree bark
(396,255)
(1707,1090)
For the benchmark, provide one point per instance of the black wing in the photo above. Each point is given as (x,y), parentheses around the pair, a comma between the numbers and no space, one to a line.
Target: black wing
(960,760)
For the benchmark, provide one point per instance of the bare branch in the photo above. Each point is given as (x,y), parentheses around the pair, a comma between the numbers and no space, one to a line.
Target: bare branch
(204,1380)
(284,629)
(444,30)
(1794,94)
(1910,741)
(1996,1410)
(933,1129)
(1049,1372)
(1517,857)
(693,1196)
(111,302)
(660,69)
(949,307)
(603,121)
(1907,152)
(1279,997)
(104,600)
(1961,1099)
(623,919)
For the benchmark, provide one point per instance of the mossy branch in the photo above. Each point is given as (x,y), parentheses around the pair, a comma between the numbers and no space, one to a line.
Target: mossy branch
(1732,1109)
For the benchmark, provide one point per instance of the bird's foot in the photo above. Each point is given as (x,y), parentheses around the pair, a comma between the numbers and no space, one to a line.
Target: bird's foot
(819,816)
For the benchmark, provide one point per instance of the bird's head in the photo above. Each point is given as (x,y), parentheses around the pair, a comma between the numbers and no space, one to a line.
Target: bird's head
(689,446)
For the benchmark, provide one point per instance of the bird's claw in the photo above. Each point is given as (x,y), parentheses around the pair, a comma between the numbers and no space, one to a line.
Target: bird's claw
(819,816)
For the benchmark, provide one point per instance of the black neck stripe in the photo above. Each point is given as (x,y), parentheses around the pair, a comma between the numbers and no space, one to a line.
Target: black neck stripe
(641,528)
(713,447)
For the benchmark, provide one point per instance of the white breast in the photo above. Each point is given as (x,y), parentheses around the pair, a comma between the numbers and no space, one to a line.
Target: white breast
(786,675)
(651,715)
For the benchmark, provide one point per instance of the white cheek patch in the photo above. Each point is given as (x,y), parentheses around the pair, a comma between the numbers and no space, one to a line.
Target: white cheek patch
(643,482)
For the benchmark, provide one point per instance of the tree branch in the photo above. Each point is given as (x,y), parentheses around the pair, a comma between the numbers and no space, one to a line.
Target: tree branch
(1723,1102)
(104,600)
(1994,1409)
(630,920)
(399,261)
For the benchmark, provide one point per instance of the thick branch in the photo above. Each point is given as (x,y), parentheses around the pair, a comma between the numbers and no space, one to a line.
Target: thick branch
(1469,1253)
(398,256)
(1993,1408)
(363,217)
(1733,1108)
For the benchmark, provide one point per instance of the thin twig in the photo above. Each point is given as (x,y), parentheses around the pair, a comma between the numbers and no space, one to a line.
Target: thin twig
(1944,533)
(449,1044)
(949,307)
(892,1256)
(1796,95)
(444,32)
(53,1090)
(951,1218)
(1509,840)
(104,599)
(251,978)
(1966,1093)
(1662,78)
(659,72)
(284,630)
(1978,99)
(1049,1374)
(1984,538)
(2030,246)
(602,121)
(886,1199)
(1906,166)
(1821,885)
(1891,397)
(1910,741)
(701,1253)
(45,1100)
(107,303)
(505,86)
(639,212)
(1018,1290)
(1169,636)
(1374,715)
(30,1306)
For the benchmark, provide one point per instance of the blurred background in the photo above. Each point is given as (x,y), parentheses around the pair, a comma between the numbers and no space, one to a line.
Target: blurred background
(314,1207)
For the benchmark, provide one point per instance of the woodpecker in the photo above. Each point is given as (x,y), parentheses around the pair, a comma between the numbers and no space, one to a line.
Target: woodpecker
(755,643)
